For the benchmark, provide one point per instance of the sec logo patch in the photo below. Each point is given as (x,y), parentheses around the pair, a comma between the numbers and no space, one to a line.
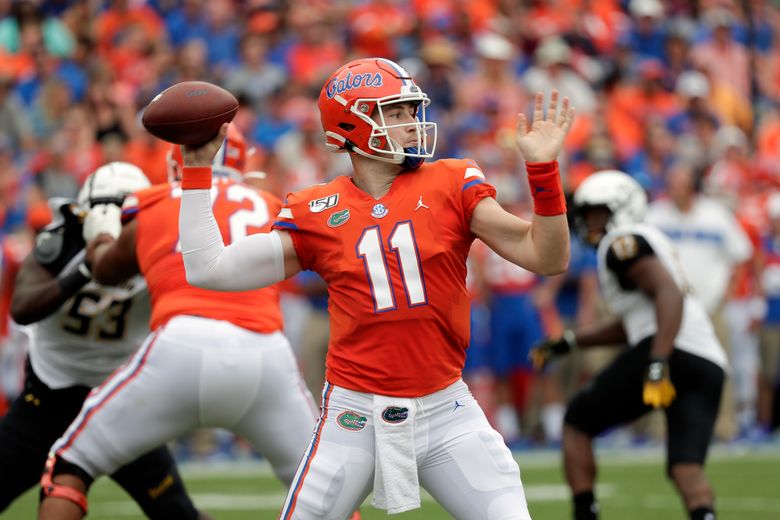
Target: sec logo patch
(379,211)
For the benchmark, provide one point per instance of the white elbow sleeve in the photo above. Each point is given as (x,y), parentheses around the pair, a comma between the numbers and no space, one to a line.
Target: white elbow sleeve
(250,263)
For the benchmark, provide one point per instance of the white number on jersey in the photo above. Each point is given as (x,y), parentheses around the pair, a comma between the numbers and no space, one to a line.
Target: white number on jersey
(78,322)
(241,219)
(369,248)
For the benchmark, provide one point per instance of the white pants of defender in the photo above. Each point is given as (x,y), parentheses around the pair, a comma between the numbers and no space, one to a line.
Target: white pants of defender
(196,372)
(461,461)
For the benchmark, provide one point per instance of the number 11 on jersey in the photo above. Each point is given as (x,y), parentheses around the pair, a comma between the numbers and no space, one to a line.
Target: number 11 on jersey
(369,248)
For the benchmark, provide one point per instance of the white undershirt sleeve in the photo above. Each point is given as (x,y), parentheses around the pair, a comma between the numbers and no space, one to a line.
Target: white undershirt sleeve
(253,262)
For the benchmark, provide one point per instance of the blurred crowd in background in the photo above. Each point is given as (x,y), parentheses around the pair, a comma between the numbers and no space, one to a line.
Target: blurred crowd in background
(682,95)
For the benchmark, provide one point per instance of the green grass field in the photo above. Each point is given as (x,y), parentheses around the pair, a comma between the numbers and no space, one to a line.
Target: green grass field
(631,486)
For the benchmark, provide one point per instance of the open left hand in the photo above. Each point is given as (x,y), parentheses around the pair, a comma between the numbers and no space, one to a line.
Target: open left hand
(543,140)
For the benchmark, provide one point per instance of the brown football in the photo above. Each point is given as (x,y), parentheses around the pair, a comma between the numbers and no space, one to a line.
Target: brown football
(190,112)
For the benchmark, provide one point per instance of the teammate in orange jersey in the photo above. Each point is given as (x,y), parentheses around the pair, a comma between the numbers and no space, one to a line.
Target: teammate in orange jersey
(212,360)
(391,242)
(80,332)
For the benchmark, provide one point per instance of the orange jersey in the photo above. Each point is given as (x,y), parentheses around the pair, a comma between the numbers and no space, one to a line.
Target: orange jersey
(396,274)
(239,210)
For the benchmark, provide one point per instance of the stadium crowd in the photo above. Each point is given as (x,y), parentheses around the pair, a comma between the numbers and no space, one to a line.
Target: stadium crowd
(682,95)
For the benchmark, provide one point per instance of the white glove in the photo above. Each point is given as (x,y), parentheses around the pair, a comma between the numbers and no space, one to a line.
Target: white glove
(102,218)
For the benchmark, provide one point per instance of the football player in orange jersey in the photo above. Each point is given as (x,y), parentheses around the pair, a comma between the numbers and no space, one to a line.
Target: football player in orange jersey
(391,242)
(80,332)
(212,359)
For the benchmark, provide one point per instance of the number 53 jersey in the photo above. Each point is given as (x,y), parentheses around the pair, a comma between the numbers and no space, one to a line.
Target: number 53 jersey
(396,273)
(91,334)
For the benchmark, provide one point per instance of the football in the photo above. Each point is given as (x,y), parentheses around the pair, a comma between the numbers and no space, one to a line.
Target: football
(189,113)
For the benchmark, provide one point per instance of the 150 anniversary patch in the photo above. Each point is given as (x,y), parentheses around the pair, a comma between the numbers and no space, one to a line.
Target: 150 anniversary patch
(320,205)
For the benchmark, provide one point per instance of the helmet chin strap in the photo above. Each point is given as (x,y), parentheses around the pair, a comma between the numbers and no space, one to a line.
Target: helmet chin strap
(412,163)
(409,162)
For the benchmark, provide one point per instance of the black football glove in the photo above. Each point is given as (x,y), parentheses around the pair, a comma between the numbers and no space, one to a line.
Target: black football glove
(542,353)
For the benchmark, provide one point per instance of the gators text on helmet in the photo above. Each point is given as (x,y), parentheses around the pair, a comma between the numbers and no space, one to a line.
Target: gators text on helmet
(362,89)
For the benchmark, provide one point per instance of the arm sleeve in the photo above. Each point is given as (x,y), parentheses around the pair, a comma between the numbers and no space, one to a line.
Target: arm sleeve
(250,263)
(297,229)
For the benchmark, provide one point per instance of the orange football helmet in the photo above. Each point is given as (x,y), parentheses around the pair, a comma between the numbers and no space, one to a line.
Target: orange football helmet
(352,95)
(230,159)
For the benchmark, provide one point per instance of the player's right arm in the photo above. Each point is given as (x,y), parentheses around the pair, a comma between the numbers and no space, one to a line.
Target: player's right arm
(42,288)
(611,333)
(255,261)
(55,270)
(39,293)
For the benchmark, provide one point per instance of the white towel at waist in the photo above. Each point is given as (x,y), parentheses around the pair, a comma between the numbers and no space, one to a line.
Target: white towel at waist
(396,486)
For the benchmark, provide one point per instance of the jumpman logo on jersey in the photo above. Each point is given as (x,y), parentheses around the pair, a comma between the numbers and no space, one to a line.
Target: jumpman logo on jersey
(421,204)
(458,405)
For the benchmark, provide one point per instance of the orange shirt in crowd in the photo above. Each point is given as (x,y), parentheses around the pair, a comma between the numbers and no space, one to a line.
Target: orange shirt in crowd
(309,64)
(628,110)
(111,22)
(374,28)
(149,155)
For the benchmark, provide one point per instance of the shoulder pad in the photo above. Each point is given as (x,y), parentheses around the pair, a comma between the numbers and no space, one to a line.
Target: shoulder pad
(139,201)
(59,241)
(48,245)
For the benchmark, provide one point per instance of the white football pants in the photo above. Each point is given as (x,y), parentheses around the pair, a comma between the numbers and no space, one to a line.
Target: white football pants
(461,460)
(196,372)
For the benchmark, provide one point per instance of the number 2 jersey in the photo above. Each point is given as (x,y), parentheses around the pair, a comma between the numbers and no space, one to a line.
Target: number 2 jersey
(239,210)
(91,334)
(396,273)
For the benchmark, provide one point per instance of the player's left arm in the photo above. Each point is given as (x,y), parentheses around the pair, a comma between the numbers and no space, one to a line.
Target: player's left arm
(541,245)
(637,267)
(650,276)
(114,260)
